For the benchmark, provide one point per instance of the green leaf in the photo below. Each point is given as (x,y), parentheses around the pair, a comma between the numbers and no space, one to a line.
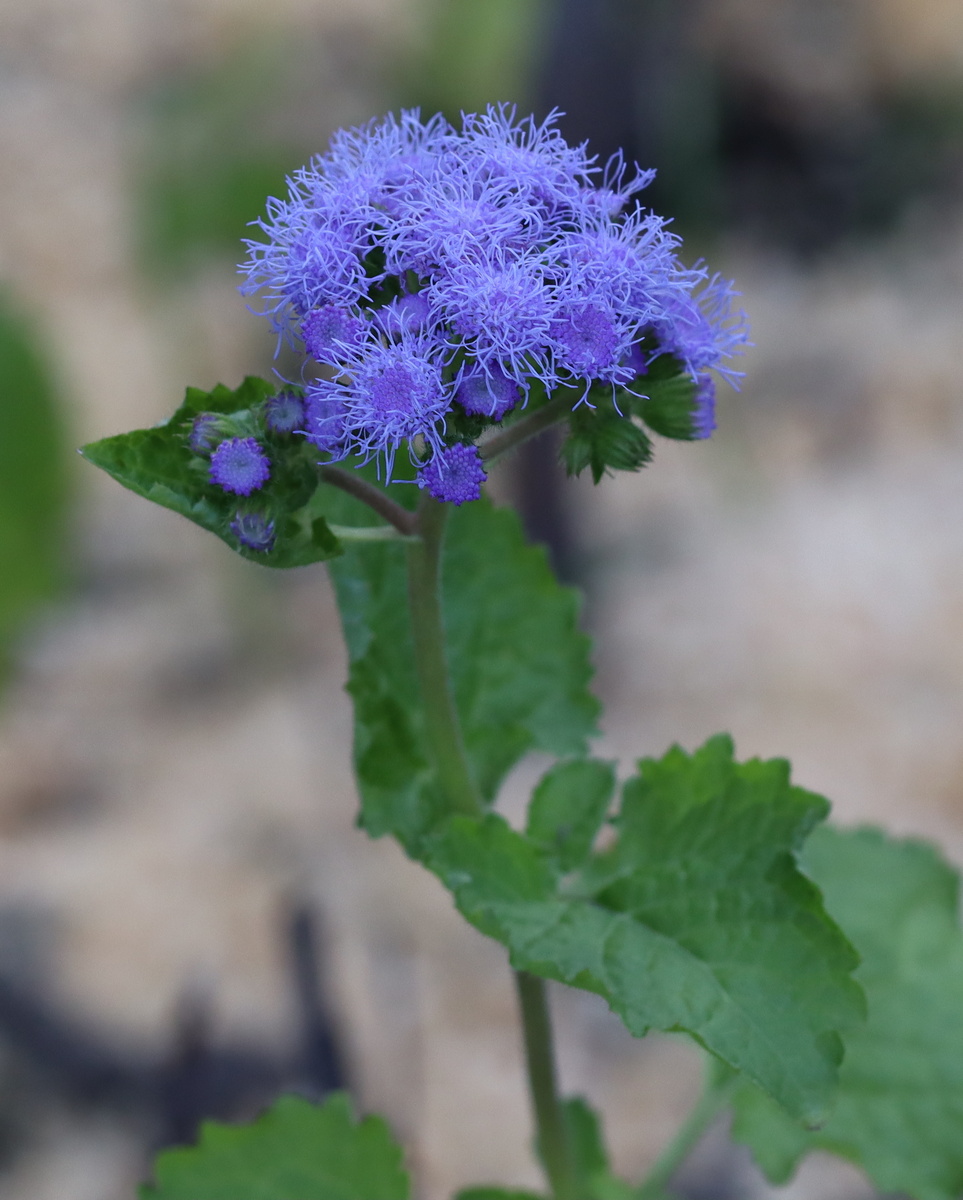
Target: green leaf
(519,666)
(600,437)
(295,1151)
(568,807)
(899,1112)
(594,1180)
(696,919)
(159,464)
(669,399)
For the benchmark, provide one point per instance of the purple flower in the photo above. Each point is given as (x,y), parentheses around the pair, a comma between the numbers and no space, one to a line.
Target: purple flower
(488,393)
(703,329)
(314,257)
(254,531)
(205,433)
(284,413)
(389,393)
(612,193)
(534,160)
(589,342)
(501,310)
(704,407)
(325,420)
(326,329)
(456,218)
(410,312)
(635,360)
(428,264)
(454,474)
(239,465)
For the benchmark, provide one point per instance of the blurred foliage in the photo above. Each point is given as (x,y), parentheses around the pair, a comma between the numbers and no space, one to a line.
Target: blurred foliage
(916,148)
(477,52)
(33,477)
(214,146)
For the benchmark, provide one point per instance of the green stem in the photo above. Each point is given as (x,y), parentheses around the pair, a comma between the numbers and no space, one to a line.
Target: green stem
(442,728)
(554,1147)
(368,533)
(719,1083)
(527,427)
(352,483)
(444,737)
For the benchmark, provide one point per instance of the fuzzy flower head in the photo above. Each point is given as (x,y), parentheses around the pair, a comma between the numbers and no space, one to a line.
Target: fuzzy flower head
(239,465)
(254,531)
(389,393)
(438,277)
(488,393)
(284,413)
(454,474)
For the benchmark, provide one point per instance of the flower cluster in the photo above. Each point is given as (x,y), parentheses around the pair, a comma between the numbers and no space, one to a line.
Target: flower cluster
(431,272)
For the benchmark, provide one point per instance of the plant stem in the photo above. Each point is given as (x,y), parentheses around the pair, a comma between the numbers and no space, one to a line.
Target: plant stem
(427,626)
(552,1138)
(368,533)
(446,744)
(719,1083)
(543,418)
(384,506)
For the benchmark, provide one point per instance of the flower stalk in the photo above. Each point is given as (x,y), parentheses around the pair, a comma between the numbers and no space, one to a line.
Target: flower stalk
(442,727)
(552,1140)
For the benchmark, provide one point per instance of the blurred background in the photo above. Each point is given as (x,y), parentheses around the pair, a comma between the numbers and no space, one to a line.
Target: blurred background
(189,921)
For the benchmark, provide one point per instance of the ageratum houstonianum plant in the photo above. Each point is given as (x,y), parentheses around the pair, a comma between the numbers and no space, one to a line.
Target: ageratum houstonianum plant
(450,293)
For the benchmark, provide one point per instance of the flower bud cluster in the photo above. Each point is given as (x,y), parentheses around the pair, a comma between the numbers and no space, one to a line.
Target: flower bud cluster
(239,464)
(431,272)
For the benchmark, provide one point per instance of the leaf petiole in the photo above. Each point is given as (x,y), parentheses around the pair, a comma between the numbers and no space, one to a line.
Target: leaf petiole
(720,1081)
(369,533)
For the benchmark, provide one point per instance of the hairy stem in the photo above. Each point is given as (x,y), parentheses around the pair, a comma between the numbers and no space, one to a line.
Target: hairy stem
(352,483)
(719,1083)
(552,1138)
(441,718)
(527,427)
(448,753)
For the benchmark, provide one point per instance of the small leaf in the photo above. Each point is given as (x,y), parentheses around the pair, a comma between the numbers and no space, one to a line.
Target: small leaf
(600,437)
(518,664)
(669,401)
(568,807)
(696,919)
(159,464)
(295,1151)
(594,1180)
(899,1112)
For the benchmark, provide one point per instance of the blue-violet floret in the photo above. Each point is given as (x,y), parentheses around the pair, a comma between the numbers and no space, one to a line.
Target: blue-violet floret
(388,393)
(453,474)
(205,433)
(284,413)
(254,531)
(239,465)
(488,393)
